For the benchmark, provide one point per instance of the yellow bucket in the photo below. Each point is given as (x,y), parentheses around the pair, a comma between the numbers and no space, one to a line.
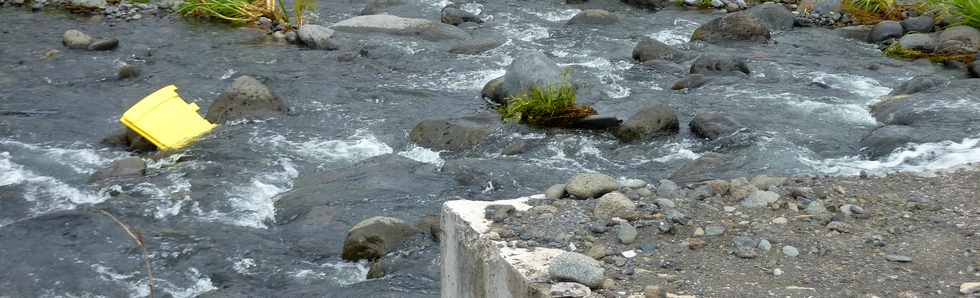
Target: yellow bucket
(166,120)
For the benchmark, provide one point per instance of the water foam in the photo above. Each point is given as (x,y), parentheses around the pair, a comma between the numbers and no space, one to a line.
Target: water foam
(556,16)
(253,203)
(679,34)
(859,85)
(607,73)
(362,145)
(342,273)
(422,154)
(925,157)
(848,112)
(47,193)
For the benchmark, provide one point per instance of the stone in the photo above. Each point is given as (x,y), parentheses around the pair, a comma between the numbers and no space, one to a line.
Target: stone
(544,209)
(919,24)
(613,204)
(596,122)
(89,4)
(127,71)
(695,244)
(664,203)
(430,224)
(760,199)
(815,208)
(790,251)
(555,192)
(780,220)
(775,16)
(853,211)
(764,245)
(676,216)
(378,6)
(826,6)
(777,272)
(374,237)
(594,17)
(918,84)
(246,98)
(454,134)
(735,27)
(74,39)
(122,169)
(576,267)
(859,32)
(634,183)
(711,125)
(744,242)
(746,253)
(376,270)
(530,69)
(647,123)
(597,251)
(717,64)
(475,46)
(918,41)
(838,226)
(719,187)
(649,49)
(692,81)
(714,230)
(885,30)
(452,15)
(498,213)
(395,25)
(569,290)
(316,37)
(958,40)
(766,182)
(649,4)
(698,232)
(107,44)
(701,169)
(667,188)
(584,186)
(654,292)
(648,246)
(898,258)
(969,288)
(626,233)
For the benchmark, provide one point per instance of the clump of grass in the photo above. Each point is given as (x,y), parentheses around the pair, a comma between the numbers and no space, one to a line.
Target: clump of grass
(300,7)
(967,11)
(897,51)
(874,11)
(552,105)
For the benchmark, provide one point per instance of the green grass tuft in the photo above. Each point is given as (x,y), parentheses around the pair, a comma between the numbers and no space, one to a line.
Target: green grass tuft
(968,11)
(897,51)
(546,105)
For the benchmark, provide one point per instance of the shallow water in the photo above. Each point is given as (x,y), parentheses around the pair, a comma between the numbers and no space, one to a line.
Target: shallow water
(209,221)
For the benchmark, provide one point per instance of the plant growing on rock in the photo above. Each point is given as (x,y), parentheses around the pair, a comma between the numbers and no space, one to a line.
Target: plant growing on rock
(897,51)
(552,105)
(873,11)
(233,11)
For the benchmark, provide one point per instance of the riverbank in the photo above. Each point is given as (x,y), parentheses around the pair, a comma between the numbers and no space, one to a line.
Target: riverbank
(902,235)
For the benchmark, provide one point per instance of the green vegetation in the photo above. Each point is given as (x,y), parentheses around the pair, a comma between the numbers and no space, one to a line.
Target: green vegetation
(240,12)
(874,11)
(967,11)
(897,51)
(546,105)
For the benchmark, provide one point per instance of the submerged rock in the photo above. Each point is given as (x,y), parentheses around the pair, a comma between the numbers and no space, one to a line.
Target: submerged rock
(390,24)
(454,134)
(126,168)
(594,17)
(475,46)
(918,84)
(700,169)
(576,267)
(74,39)
(378,6)
(649,49)
(247,98)
(774,16)
(128,71)
(712,125)
(649,122)
(692,81)
(317,37)
(920,24)
(713,64)
(732,27)
(107,44)
(374,237)
(584,186)
(452,15)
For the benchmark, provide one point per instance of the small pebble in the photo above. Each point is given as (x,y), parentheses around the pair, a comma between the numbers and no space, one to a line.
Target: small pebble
(729,208)
(780,220)
(898,258)
(790,251)
(765,245)
(695,244)
(698,232)
(777,272)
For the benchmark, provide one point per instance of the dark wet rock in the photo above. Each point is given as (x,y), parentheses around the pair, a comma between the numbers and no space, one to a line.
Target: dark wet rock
(826,6)
(692,81)
(712,125)
(376,270)
(699,169)
(584,186)
(918,41)
(374,237)
(395,25)
(475,46)
(597,122)
(452,15)
(886,139)
(932,111)
(122,169)
(973,70)
(378,6)
(454,134)
(613,204)
(555,192)
(649,122)
(732,27)
(713,64)
(494,91)
(128,71)
(649,49)
(958,40)
(576,267)
(430,224)
(920,24)
(569,290)
(529,69)
(129,139)
(107,44)
(594,17)
(74,39)
(898,258)
(918,84)
(859,32)
(247,98)
(649,4)
(775,16)
(885,30)
(515,148)
(316,37)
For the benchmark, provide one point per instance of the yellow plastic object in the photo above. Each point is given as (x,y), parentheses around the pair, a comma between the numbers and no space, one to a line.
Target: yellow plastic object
(166,120)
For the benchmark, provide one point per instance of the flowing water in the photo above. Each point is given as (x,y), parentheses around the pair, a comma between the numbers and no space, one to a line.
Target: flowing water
(208,212)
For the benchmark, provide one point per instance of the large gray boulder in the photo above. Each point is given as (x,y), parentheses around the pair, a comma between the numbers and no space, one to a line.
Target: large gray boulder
(317,37)
(247,98)
(389,24)
(649,122)
(958,40)
(732,27)
(529,69)
(584,186)
(886,139)
(74,39)
(918,41)
(649,49)
(885,30)
(454,134)
(374,237)
(919,24)
(594,17)
(576,267)
(712,125)
(775,16)
(714,64)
